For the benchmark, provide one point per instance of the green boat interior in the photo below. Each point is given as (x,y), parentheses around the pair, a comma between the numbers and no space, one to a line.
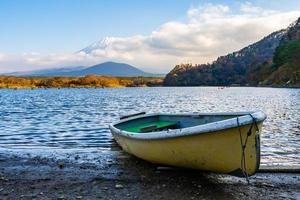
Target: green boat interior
(167,122)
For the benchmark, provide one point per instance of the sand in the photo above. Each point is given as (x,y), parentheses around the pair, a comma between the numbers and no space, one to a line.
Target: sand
(99,174)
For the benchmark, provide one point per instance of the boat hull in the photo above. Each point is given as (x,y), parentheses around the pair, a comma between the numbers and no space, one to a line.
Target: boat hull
(219,150)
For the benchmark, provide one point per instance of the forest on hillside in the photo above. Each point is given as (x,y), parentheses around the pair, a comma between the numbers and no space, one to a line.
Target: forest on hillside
(272,61)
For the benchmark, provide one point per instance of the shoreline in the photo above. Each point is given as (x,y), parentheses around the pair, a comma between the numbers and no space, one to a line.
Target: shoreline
(144,86)
(113,174)
(88,81)
(94,81)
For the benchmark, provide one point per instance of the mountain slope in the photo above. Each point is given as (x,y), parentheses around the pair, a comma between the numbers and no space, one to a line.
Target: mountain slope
(103,69)
(111,69)
(100,45)
(236,68)
(284,68)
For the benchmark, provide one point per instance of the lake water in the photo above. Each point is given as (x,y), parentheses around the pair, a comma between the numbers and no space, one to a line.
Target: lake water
(79,118)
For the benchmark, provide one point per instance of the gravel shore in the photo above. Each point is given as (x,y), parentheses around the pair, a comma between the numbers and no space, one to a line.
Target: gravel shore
(116,175)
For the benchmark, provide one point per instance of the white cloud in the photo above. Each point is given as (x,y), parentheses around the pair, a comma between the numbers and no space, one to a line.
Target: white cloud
(208,11)
(210,31)
(2,56)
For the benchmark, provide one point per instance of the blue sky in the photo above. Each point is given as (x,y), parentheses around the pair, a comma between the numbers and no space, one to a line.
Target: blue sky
(66,26)
(69,25)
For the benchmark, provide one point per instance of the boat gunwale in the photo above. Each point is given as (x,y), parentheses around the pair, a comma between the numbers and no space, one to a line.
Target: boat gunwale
(244,119)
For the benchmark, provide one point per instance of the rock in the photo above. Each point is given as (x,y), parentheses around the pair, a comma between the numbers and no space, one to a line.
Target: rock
(78,197)
(61,165)
(245,194)
(118,186)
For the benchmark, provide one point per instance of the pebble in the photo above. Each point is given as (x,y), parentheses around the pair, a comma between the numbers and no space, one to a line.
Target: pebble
(162,168)
(143,177)
(79,197)
(77,157)
(265,184)
(118,186)
(61,165)
(3,178)
(284,196)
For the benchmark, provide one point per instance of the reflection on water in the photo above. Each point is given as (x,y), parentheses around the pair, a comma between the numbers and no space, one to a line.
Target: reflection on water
(79,118)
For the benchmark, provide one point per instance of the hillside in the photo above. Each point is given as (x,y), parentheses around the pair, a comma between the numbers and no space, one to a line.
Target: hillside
(284,68)
(103,69)
(270,61)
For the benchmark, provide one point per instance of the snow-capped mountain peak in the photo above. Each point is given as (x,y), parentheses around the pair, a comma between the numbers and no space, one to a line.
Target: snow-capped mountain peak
(101,44)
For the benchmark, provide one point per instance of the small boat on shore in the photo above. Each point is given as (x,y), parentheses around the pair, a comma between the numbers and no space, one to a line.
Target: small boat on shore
(218,142)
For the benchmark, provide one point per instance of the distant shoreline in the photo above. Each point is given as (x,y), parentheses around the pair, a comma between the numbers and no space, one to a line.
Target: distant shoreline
(92,87)
(93,81)
(89,81)
(236,86)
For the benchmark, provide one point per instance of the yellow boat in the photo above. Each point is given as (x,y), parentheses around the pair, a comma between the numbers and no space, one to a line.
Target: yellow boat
(218,142)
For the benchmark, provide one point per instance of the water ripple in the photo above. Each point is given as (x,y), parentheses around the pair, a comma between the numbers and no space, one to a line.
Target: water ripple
(79,118)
